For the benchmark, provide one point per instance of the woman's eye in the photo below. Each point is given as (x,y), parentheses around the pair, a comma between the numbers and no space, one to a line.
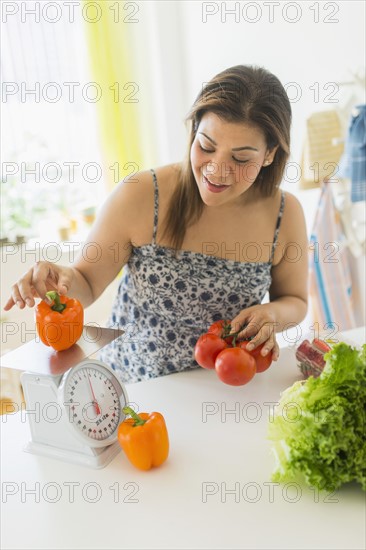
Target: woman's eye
(209,151)
(241,161)
(205,150)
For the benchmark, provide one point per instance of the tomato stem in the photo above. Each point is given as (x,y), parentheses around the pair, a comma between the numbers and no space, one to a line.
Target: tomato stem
(226,333)
(234,335)
(226,329)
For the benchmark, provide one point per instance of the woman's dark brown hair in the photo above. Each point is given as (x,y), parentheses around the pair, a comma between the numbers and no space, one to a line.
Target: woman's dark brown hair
(240,94)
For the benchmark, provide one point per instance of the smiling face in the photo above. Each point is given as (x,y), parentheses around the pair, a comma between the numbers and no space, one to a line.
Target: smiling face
(228,154)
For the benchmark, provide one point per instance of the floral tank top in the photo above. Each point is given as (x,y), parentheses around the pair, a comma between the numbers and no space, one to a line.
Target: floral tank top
(164,304)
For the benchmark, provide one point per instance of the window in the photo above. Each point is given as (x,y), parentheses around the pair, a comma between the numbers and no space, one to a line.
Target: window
(52,178)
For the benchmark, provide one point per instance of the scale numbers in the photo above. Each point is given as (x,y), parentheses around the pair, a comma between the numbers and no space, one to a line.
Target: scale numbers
(94,399)
(94,403)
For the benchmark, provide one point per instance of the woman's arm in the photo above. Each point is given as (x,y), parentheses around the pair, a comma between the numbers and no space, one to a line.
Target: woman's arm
(103,254)
(108,245)
(289,289)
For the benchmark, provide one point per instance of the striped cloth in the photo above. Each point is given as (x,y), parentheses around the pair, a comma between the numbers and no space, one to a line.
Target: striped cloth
(330,276)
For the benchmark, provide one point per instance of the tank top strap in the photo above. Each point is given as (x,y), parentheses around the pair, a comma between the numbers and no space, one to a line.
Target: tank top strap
(156,204)
(278,224)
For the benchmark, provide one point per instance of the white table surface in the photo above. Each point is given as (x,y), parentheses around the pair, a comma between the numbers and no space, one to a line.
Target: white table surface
(186,503)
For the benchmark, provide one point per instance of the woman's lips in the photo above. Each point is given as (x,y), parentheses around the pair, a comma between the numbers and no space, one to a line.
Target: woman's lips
(214,188)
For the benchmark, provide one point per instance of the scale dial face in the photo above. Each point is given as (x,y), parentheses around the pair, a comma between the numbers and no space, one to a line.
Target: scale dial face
(93,398)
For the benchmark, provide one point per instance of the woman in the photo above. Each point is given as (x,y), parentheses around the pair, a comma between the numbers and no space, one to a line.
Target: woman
(201,240)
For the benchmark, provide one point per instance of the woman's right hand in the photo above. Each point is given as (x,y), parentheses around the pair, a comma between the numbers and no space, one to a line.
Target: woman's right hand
(41,278)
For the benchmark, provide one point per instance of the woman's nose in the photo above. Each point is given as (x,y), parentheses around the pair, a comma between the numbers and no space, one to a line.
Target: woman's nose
(220,169)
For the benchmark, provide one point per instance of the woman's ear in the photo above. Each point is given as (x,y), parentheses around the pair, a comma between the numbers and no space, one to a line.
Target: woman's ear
(268,159)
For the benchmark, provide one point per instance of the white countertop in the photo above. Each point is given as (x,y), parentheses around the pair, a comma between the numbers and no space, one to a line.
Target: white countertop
(213,492)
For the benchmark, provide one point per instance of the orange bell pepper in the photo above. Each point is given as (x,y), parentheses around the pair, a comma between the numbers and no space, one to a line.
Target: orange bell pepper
(144,439)
(60,324)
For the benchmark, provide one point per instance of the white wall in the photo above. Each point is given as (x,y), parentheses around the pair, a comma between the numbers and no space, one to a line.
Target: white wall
(178,52)
(304,52)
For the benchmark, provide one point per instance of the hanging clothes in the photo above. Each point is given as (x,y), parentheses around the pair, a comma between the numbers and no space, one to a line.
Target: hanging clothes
(330,276)
(353,162)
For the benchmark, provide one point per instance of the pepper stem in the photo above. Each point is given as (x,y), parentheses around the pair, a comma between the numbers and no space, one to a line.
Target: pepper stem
(138,420)
(55,297)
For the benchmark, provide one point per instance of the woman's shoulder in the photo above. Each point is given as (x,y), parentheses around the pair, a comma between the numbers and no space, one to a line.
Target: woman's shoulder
(293,219)
(140,185)
(291,207)
(280,202)
(283,212)
(140,189)
(166,175)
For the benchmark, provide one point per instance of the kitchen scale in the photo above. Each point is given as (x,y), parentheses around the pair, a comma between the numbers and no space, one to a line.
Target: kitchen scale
(74,402)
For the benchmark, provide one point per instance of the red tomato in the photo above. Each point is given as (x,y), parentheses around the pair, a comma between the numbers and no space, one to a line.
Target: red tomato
(263,363)
(218,328)
(235,366)
(207,347)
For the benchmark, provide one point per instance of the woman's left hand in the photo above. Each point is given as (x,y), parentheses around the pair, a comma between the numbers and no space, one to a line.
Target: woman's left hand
(261,324)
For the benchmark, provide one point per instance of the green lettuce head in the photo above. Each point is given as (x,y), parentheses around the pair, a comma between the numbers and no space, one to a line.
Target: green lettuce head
(318,430)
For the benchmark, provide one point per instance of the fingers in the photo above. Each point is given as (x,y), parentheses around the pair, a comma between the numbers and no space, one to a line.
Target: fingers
(9,304)
(255,318)
(276,352)
(16,297)
(271,346)
(63,287)
(33,283)
(250,320)
(41,278)
(266,336)
(59,278)
(250,330)
(23,290)
(241,322)
(261,327)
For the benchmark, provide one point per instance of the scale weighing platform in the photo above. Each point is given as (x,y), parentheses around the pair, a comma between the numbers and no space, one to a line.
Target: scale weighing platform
(74,402)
